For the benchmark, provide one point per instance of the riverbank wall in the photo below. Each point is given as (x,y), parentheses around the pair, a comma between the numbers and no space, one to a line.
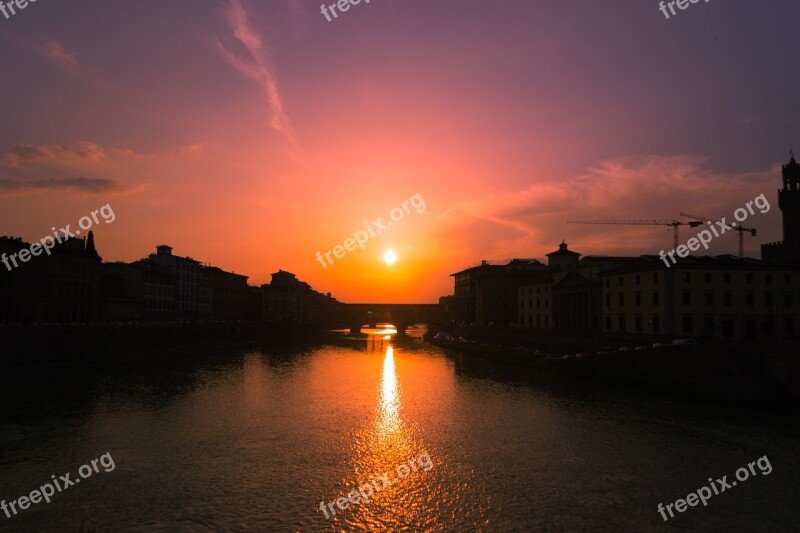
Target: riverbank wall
(730,374)
(25,346)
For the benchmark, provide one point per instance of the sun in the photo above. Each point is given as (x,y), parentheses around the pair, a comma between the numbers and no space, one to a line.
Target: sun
(390,257)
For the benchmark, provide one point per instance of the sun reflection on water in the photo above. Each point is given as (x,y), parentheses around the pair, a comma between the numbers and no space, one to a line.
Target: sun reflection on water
(389,419)
(383,445)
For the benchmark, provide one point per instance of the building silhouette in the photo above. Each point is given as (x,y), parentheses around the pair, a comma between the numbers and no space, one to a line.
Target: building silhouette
(61,287)
(720,296)
(287,298)
(73,285)
(487,294)
(122,292)
(187,272)
(567,295)
(227,292)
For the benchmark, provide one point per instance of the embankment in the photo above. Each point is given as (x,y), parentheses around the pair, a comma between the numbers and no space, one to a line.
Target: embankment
(739,376)
(32,346)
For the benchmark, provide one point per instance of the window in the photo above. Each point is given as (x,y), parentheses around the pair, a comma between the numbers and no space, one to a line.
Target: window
(608,322)
(638,298)
(620,281)
(768,299)
(748,278)
(621,321)
(637,323)
(687,323)
(787,299)
(655,277)
(655,297)
(608,300)
(708,325)
(787,279)
(727,299)
(656,321)
(687,297)
(709,297)
(621,299)
(788,326)
(750,299)
(686,277)
(708,277)
(608,283)
(638,280)
(768,279)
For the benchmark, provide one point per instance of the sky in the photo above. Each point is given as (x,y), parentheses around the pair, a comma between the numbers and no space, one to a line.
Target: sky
(253,134)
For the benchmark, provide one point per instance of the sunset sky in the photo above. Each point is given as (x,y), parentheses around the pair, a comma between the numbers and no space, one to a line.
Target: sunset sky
(252,134)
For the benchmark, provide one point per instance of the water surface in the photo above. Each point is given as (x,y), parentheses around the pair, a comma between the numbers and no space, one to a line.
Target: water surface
(257,439)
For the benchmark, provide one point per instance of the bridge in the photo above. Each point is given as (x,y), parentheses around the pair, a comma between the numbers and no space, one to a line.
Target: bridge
(401,316)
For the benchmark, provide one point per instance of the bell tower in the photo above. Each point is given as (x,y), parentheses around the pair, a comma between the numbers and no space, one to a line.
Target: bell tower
(789,202)
(788,250)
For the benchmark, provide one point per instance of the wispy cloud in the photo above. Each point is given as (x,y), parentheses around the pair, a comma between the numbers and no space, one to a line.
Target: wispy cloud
(56,52)
(23,154)
(68,61)
(752,118)
(255,67)
(80,184)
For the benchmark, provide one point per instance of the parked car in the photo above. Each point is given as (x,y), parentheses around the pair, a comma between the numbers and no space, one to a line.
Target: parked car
(658,345)
(443,335)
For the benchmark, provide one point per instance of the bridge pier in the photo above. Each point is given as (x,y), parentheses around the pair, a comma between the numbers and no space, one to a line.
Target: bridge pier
(355,328)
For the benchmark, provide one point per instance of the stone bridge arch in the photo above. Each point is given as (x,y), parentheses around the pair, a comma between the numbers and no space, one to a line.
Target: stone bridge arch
(402,316)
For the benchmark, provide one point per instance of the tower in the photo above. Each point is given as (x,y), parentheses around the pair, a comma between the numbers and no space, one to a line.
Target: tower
(789,202)
(788,250)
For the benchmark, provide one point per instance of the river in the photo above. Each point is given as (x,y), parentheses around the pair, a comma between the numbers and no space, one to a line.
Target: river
(269,439)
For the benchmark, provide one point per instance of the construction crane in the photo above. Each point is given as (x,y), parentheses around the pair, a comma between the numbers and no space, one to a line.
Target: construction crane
(734,225)
(675,224)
